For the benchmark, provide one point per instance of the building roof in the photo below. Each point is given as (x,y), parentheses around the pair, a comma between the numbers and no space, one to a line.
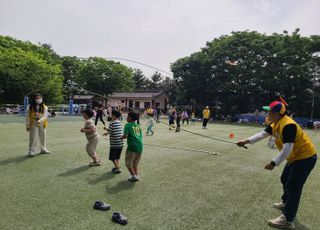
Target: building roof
(137,94)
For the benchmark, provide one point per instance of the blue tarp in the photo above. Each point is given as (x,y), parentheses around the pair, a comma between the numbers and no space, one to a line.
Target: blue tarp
(251,118)
(303,121)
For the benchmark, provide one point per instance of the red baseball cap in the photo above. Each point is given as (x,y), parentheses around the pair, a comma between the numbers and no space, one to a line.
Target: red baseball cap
(276,107)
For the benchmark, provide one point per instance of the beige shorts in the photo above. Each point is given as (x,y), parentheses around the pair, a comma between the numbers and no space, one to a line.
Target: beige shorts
(91,146)
(132,159)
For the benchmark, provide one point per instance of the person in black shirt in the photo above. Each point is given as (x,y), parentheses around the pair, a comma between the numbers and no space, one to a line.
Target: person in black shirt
(99,110)
(178,119)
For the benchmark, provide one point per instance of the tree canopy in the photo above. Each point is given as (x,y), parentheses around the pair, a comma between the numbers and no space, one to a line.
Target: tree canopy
(26,68)
(103,77)
(239,72)
(245,70)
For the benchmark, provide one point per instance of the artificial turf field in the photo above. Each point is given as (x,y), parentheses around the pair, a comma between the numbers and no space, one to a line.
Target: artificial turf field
(179,189)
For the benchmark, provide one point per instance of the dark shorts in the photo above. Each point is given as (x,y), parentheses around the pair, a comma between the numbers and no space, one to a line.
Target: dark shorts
(114,154)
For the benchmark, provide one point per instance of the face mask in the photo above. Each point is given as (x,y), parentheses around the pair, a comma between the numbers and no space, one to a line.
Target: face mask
(39,101)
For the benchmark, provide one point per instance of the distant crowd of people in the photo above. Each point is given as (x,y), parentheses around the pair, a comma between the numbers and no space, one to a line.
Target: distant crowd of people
(184,115)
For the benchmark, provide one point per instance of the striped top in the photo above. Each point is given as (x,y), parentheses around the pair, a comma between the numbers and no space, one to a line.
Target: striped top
(115,132)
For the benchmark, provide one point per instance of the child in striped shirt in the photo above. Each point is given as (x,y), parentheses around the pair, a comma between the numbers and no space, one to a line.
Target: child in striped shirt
(116,143)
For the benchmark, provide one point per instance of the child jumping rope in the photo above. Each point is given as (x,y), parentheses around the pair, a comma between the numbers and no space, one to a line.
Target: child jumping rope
(92,136)
(133,134)
(116,143)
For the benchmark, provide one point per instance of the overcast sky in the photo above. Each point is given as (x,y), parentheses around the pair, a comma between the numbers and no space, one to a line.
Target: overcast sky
(155,32)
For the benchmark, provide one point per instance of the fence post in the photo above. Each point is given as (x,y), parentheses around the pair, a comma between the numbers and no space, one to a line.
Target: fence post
(25,104)
(71,112)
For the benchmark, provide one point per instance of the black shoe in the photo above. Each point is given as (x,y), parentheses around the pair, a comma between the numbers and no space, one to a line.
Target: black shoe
(113,169)
(119,218)
(117,171)
(100,205)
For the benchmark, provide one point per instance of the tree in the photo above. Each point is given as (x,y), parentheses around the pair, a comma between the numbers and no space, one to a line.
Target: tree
(70,70)
(168,85)
(244,70)
(44,51)
(155,81)
(25,68)
(104,77)
(140,80)
(24,72)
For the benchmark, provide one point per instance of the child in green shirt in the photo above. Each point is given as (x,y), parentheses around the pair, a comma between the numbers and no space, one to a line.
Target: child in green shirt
(133,134)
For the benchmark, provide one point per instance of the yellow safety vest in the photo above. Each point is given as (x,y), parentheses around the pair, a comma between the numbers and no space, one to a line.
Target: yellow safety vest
(206,113)
(266,121)
(302,148)
(32,117)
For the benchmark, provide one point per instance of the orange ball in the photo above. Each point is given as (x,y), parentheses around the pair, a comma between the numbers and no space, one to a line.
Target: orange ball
(231,135)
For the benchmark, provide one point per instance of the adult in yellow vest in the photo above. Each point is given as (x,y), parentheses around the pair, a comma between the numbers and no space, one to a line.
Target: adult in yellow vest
(36,125)
(296,147)
(150,112)
(206,116)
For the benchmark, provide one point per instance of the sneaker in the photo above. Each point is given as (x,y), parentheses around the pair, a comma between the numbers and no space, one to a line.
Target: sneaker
(112,170)
(279,205)
(281,223)
(45,152)
(100,205)
(133,179)
(93,163)
(31,154)
(119,218)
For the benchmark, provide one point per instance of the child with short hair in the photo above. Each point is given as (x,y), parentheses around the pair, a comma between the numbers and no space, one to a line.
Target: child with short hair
(172,116)
(116,142)
(133,134)
(92,136)
(150,124)
(193,118)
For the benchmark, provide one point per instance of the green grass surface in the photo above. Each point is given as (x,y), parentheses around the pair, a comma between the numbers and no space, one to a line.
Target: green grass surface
(179,189)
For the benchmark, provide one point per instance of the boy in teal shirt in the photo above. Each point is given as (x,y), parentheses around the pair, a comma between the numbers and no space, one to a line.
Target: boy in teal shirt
(133,133)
